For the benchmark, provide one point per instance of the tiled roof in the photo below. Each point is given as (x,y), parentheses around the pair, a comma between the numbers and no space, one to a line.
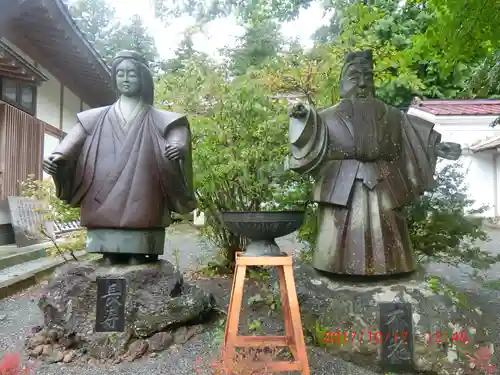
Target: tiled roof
(479,107)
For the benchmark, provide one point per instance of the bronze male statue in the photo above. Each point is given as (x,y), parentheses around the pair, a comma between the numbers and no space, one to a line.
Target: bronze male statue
(369,160)
(127,166)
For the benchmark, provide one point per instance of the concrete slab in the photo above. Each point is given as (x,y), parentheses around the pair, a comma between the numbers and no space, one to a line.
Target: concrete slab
(10,255)
(6,250)
(21,276)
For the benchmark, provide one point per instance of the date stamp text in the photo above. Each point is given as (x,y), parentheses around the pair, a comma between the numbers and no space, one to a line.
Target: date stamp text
(344,337)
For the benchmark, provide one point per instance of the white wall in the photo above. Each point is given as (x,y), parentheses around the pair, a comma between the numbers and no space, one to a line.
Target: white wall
(49,143)
(71,106)
(496,203)
(479,177)
(48,100)
(479,168)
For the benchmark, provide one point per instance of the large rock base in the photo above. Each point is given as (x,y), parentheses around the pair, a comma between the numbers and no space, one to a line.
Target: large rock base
(160,310)
(329,305)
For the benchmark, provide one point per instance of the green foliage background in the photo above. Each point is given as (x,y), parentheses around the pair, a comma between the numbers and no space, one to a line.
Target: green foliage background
(240,122)
(431,49)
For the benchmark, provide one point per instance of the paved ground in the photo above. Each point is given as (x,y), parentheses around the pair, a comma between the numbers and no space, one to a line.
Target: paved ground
(458,275)
(20,313)
(485,299)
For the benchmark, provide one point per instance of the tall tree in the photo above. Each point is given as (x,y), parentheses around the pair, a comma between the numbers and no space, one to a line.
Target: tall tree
(462,29)
(132,35)
(405,65)
(97,20)
(207,10)
(262,39)
(184,54)
(484,81)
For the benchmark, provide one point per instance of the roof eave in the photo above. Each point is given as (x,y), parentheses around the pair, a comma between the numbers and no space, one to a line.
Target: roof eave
(81,36)
(95,59)
(34,70)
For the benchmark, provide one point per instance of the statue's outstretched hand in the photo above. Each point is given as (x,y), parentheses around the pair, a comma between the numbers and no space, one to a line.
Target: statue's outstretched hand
(448,150)
(172,152)
(298,111)
(52,163)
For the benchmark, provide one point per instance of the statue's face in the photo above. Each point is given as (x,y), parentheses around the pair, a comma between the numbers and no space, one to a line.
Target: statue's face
(357,80)
(128,79)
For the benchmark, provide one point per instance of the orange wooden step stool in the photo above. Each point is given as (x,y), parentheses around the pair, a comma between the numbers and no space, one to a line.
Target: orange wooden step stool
(294,337)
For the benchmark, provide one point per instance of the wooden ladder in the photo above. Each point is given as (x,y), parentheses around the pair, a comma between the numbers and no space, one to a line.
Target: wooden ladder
(294,337)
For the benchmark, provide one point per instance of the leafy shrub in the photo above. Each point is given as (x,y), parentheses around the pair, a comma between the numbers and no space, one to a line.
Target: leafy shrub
(45,191)
(444,225)
(240,142)
(57,211)
(239,148)
(75,240)
(239,154)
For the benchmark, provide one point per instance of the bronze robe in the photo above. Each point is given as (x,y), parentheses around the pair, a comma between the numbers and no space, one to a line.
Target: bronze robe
(364,174)
(118,174)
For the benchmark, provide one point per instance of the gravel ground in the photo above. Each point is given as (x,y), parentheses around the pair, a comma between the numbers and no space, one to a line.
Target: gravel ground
(486,300)
(19,313)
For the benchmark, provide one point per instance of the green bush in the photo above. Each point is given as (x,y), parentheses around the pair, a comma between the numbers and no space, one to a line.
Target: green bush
(239,148)
(57,211)
(444,226)
(45,191)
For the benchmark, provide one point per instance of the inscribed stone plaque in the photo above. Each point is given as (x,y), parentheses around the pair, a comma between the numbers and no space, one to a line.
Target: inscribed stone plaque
(110,309)
(397,337)
(29,221)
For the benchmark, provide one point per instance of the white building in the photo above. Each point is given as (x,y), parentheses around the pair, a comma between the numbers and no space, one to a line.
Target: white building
(48,73)
(468,122)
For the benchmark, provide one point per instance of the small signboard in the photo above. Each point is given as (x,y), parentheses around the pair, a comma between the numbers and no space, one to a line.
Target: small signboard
(110,309)
(396,328)
(29,222)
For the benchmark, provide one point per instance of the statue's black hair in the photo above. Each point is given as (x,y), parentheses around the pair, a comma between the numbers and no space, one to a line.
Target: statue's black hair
(147,90)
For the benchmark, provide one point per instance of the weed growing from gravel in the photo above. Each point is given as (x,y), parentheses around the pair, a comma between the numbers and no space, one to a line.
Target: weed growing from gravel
(250,361)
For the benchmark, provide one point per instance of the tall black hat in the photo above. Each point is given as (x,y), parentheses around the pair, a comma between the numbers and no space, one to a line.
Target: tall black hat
(358,55)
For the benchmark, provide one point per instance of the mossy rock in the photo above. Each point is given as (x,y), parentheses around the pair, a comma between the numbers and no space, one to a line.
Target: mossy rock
(352,309)
(157,300)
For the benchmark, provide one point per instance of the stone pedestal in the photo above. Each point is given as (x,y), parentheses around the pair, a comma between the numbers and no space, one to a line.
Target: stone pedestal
(329,305)
(160,310)
(126,241)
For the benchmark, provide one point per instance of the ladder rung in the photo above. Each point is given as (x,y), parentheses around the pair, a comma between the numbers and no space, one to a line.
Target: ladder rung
(263,261)
(278,366)
(293,340)
(258,341)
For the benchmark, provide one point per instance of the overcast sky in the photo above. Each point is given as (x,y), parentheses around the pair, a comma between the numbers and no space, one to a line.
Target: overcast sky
(217,34)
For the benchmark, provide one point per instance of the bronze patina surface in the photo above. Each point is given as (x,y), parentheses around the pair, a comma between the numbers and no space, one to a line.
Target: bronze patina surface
(369,160)
(127,166)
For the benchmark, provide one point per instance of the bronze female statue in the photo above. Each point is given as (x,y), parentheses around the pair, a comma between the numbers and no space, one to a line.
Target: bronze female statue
(369,160)
(127,166)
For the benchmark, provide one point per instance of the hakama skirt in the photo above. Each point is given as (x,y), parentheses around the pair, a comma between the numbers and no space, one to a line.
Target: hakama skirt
(366,238)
